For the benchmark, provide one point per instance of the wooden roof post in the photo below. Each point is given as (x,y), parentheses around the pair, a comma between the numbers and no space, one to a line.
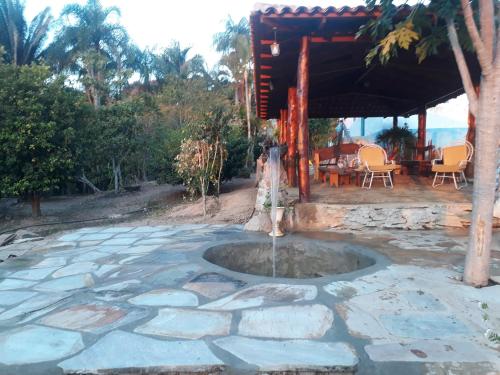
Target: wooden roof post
(283,118)
(421,135)
(278,124)
(302,118)
(292,137)
(394,122)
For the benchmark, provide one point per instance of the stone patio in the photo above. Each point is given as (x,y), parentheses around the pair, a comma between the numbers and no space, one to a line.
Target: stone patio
(143,300)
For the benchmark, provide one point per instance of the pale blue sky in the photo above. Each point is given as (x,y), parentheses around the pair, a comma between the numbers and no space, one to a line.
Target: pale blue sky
(155,23)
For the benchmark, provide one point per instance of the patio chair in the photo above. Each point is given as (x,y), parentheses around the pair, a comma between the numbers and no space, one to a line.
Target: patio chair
(453,161)
(374,163)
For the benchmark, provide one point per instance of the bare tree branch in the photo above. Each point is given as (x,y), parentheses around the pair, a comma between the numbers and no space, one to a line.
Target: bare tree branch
(477,42)
(462,67)
(487,22)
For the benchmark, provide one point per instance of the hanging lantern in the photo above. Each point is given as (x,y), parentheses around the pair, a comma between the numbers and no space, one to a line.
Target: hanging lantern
(275,47)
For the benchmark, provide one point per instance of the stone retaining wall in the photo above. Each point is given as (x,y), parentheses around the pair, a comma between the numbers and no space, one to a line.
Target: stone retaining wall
(318,216)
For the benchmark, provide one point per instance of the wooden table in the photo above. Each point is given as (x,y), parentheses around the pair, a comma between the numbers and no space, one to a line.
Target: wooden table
(416,167)
(338,176)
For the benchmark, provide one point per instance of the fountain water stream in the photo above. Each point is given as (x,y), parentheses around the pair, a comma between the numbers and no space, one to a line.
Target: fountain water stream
(274,160)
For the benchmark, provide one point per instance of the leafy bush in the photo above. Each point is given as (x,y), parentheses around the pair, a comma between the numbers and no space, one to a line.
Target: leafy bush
(237,148)
(37,131)
(199,164)
(399,142)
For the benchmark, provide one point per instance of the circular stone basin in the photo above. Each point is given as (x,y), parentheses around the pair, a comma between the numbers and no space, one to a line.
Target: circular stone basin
(298,259)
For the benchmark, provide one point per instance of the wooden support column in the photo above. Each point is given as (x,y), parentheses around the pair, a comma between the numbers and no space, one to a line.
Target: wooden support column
(292,137)
(280,130)
(302,119)
(394,122)
(284,126)
(421,135)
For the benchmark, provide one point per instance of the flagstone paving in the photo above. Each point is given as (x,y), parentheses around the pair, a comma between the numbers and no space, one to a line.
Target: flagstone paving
(143,300)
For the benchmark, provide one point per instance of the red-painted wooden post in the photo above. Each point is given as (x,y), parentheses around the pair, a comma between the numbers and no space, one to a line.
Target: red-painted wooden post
(421,135)
(302,116)
(292,137)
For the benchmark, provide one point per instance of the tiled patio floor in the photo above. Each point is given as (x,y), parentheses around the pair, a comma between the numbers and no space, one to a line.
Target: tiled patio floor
(143,298)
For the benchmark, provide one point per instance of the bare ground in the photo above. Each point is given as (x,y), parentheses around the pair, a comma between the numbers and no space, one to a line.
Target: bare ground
(152,205)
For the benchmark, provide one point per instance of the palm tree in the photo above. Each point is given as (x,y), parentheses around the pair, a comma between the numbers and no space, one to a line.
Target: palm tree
(173,61)
(234,43)
(23,44)
(88,44)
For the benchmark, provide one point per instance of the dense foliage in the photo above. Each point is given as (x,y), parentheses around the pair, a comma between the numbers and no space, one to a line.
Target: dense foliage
(37,132)
(74,119)
(399,142)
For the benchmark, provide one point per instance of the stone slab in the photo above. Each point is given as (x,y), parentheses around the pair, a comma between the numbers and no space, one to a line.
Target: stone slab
(67,283)
(95,237)
(258,295)
(105,269)
(147,229)
(90,256)
(9,284)
(34,307)
(124,241)
(431,351)
(117,230)
(294,322)
(166,297)
(423,325)
(95,318)
(76,269)
(118,287)
(51,262)
(214,285)
(34,274)
(33,344)
(348,289)
(175,275)
(70,237)
(292,355)
(9,298)
(139,249)
(188,324)
(122,350)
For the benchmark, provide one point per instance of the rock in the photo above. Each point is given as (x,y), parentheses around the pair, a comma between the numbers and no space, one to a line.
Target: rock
(45,344)
(5,239)
(292,356)
(22,234)
(95,318)
(187,324)
(259,223)
(258,295)
(127,351)
(429,351)
(308,322)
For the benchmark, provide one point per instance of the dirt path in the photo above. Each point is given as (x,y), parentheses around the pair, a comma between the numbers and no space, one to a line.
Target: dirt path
(234,206)
(153,204)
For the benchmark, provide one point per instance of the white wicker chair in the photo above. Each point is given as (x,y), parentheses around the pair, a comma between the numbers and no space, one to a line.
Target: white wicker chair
(373,161)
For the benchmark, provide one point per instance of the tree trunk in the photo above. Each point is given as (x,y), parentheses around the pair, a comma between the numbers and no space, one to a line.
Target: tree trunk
(116,175)
(477,261)
(248,109)
(203,196)
(35,205)
(144,171)
(84,180)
